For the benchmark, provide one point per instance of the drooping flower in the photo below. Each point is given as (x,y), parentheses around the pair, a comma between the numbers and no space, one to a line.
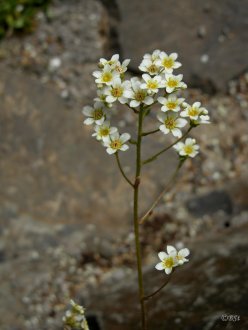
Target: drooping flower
(188,149)
(154,56)
(121,67)
(151,84)
(171,103)
(168,62)
(103,131)
(137,94)
(112,62)
(116,91)
(115,142)
(105,76)
(96,114)
(181,256)
(173,82)
(171,123)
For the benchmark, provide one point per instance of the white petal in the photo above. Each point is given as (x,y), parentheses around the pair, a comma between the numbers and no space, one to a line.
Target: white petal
(111,99)
(176,132)
(124,147)
(89,121)
(181,122)
(168,270)
(164,129)
(148,100)
(161,100)
(125,137)
(171,249)
(87,110)
(162,255)
(184,252)
(159,266)
(111,151)
(134,104)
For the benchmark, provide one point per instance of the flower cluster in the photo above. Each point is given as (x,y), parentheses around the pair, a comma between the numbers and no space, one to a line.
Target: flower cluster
(158,85)
(172,259)
(75,318)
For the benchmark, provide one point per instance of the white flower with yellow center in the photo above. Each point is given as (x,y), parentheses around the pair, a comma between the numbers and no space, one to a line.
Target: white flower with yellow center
(187,149)
(112,62)
(106,76)
(147,65)
(173,82)
(103,131)
(116,91)
(171,123)
(168,260)
(137,94)
(194,111)
(121,67)
(151,84)
(168,62)
(96,114)
(115,142)
(171,103)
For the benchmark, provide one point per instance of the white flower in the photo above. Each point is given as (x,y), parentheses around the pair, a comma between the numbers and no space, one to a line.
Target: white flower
(171,123)
(171,103)
(137,95)
(203,119)
(116,142)
(154,56)
(116,91)
(168,260)
(103,131)
(112,62)
(189,148)
(101,96)
(121,67)
(75,318)
(147,65)
(96,114)
(106,76)
(181,256)
(194,111)
(168,62)
(172,258)
(173,82)
(152,84)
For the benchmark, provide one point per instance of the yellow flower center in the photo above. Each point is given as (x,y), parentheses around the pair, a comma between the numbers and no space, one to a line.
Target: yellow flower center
(193,111)
(188,149)
(119,68)
(116,144)
(104,131)
(170,123)
(98,113)
(117,91)
(172,83)
(152,84)
(106,77)
(153,68)
(168,262)
(168,63)
(140,95)
(171,105)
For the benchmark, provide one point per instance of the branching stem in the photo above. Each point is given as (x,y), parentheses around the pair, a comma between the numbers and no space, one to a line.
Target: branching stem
(121,169)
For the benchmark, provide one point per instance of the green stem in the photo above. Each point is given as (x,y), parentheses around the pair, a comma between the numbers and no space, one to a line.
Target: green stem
(157,291)
(136,221)
(150,132)
(121,169)
(165,149)
(155,203)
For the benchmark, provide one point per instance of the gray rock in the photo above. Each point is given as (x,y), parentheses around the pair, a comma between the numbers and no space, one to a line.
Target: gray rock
(176,26)
(198,294)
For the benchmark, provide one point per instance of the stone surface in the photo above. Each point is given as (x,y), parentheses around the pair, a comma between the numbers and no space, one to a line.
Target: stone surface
(207,35)
(212,284)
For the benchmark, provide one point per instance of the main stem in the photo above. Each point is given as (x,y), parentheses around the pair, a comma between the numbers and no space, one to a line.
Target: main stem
(136,221)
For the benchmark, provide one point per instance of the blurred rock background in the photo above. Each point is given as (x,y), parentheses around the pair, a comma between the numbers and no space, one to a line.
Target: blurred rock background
(65,221)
